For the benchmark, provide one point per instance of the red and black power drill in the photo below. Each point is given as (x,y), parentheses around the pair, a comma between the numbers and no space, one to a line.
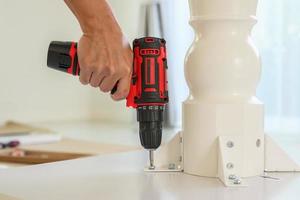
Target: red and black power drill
(148,89)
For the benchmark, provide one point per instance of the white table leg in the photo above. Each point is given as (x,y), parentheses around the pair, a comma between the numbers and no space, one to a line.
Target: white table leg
(222,70)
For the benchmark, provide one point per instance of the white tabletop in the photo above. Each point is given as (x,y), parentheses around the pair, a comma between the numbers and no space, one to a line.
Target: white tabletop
(121,176)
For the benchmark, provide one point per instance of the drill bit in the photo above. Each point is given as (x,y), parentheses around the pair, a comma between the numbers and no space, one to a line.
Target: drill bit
(151,159)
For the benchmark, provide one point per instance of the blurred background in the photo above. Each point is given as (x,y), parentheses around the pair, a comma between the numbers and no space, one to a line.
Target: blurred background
(30,92)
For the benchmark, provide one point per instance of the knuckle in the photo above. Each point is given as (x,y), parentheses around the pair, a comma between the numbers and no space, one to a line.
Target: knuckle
(116,98)
(127,70)
(83,81)
(124,93)
(89,65)
(109,70)
(112,71)
(121,94)
(104,89)
(94,84)
(93,68)
(85,62)
(105,70)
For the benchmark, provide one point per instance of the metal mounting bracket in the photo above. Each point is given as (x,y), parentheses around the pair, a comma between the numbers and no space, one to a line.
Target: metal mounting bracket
(278,159)
(230,160)
(168,158)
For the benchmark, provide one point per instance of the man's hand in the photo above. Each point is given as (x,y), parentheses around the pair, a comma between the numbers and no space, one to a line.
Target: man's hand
(104,55)
(105,60)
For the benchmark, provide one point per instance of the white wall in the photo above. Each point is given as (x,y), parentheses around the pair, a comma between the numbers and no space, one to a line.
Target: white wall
(31,92)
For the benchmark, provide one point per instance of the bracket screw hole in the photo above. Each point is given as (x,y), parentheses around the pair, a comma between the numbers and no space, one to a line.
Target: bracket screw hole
(230,144)
(229,165)
(258,143)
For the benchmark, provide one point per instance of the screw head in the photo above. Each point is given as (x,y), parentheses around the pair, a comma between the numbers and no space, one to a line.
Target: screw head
(232,177)
(229,165)
(172,166)
(237,181)
(151,167)
(230,144)
(258,142)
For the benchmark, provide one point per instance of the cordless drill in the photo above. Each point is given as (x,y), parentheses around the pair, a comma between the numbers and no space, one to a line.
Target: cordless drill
(148,89)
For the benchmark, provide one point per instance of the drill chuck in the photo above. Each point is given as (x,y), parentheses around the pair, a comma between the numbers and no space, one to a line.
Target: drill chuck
(150,125)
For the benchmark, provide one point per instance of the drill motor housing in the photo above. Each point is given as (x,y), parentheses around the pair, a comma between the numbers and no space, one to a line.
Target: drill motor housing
(149,88)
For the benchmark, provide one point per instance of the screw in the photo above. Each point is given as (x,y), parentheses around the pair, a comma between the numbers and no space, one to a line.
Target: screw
(172,166)
(151,159)
(237,181)
(232,177)
(151,167)
(258,142)
(180,158)
(181,140)
(230,144)
(229,165)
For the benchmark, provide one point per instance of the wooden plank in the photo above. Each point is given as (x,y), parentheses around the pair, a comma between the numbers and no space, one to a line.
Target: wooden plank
(37,157)
(5,197)
(68,145)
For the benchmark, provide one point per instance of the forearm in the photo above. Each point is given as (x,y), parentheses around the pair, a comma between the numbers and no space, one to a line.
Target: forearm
(104,55)
(93,15)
